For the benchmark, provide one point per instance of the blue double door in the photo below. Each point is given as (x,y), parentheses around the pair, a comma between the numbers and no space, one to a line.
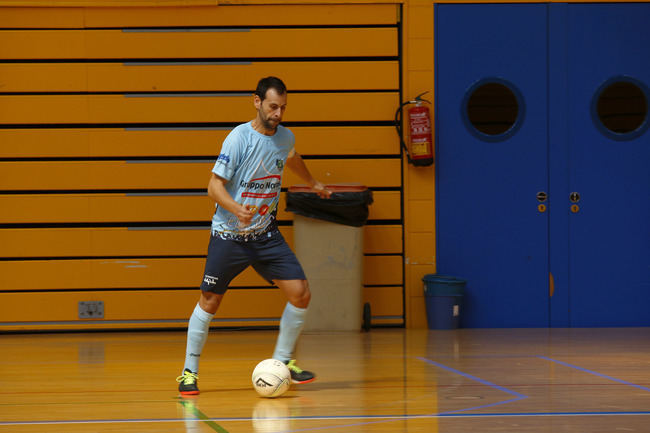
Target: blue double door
(542,198)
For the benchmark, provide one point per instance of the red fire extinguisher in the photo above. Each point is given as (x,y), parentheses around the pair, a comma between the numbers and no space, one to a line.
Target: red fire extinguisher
(420,151)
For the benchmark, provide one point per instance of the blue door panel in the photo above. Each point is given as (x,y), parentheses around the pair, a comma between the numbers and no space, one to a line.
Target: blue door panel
(489,229)
(609,248)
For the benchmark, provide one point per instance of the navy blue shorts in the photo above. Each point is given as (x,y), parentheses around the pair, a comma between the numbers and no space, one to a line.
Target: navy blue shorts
(269,255)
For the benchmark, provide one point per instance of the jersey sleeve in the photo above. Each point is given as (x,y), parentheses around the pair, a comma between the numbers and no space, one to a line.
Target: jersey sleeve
(228,158)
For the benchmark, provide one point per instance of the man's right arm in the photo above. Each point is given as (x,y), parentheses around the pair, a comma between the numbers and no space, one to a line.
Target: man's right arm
(217,192)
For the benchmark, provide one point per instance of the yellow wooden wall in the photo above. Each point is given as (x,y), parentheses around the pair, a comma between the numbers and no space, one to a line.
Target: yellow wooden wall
(110,121)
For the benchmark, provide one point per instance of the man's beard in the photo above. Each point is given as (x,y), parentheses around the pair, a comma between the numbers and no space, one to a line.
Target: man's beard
(268,124)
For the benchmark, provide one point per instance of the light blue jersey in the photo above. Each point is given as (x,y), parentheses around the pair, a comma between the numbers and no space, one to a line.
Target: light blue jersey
(253,164)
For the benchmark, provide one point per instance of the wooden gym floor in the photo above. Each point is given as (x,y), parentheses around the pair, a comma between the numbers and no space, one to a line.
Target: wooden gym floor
(387,380)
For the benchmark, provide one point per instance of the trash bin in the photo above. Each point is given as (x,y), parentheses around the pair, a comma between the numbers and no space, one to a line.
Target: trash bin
(443,295)
(328,241)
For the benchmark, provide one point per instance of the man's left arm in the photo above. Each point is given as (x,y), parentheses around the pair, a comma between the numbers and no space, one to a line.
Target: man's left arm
(297,165)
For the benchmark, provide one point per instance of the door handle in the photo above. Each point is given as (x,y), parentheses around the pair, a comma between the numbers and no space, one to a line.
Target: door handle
(541,196)
(574,197)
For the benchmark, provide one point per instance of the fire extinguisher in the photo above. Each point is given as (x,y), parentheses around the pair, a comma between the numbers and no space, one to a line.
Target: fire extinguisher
(421,143)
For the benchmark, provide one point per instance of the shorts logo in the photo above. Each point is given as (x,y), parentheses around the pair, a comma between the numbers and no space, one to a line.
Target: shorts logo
(210,280)
(279,164)
(223,157)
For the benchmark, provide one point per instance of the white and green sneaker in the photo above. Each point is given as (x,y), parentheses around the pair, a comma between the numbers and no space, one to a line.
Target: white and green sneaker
(298,375)
(187,383)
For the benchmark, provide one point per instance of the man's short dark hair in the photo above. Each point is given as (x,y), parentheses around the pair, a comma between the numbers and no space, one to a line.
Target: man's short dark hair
(270,83)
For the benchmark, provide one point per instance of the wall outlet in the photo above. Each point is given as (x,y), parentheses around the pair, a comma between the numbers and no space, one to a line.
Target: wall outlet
(91,309)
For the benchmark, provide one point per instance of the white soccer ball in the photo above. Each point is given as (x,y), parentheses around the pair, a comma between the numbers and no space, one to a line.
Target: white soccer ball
(271,378)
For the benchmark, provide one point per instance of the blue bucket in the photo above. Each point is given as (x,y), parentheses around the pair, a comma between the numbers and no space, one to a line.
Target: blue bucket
(443,296)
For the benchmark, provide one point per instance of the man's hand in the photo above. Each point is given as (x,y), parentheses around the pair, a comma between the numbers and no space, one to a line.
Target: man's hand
(245,214)
(217,192)
(321,190)
(297,165)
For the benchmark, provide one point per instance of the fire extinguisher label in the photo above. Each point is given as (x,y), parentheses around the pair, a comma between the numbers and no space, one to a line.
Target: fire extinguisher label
(420,123)
(419,146)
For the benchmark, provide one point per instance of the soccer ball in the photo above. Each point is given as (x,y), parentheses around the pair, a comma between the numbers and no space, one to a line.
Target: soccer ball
(271,378)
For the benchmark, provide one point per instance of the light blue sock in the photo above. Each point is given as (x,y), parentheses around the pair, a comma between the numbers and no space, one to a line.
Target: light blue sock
(291,323)
(197,334)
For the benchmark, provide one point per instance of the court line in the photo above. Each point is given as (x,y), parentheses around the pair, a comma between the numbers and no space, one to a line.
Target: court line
(333,417)
(201,416)
(517,395)
(469,376)
(595,373)
(542,414)
(439,416)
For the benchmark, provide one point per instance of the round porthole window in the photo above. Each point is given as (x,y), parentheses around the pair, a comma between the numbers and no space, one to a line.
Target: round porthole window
(492,109)
(620,108)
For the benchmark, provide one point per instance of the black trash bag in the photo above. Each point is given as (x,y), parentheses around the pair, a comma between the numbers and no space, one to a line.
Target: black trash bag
(347,206)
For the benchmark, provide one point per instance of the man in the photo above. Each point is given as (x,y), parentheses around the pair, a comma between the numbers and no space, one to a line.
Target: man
(245,184)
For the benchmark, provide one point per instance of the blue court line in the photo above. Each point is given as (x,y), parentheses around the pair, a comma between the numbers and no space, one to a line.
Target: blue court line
(378,418)
(595,373)
(442,415)
(542,414)
(474,378)
(393,418)
(95,421)
(518,396)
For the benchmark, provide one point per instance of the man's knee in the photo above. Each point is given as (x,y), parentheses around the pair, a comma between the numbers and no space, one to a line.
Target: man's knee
(303,296)
(297,292)
(209,302)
